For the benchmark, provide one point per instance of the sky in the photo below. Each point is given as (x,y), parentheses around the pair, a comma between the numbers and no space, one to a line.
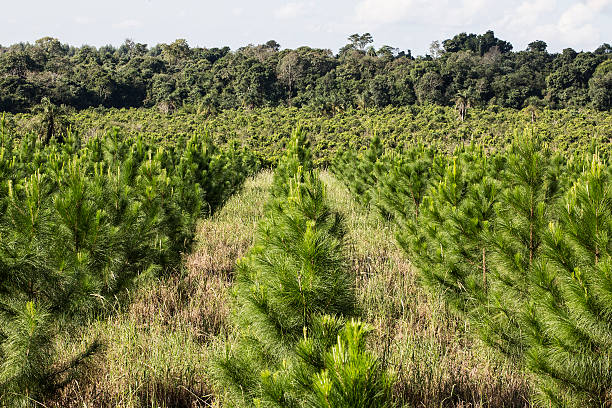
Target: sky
(403,24)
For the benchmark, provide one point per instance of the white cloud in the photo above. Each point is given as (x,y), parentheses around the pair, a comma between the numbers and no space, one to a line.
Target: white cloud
(580,14)
(569,24)
(575,16)
(599,5)
(471,9)
(82,20)
(529,13)
(291,10)
(530,20)
(440,12)
(575,24)
(561,23)
(383,11)
(130,23)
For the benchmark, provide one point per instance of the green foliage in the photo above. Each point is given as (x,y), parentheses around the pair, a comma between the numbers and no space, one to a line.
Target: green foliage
(297,162)
(359,171)
(476,43)
(27,350)
(404,178)
(268,131)
(528,270)
(53,120)
(171,76)
(572,328)
(445,239)
(80,223)
(531,186)
(293,293)
(353,377)
(600,86)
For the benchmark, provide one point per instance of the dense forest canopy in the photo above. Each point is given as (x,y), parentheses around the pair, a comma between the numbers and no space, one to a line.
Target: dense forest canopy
(466,69)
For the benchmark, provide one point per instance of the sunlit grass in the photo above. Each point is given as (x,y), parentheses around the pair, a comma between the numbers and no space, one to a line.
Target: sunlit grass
(157,351)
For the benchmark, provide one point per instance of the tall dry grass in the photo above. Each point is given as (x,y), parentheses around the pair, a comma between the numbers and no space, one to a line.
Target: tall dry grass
(156,349)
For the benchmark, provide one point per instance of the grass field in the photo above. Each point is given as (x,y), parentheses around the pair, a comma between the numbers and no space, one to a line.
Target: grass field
(158,350)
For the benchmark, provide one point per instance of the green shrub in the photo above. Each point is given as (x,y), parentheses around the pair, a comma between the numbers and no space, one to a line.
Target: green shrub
(528,270)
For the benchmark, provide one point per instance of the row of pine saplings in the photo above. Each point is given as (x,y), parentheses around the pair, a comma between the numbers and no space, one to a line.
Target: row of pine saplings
(298,340)
(83,222)
(518,242)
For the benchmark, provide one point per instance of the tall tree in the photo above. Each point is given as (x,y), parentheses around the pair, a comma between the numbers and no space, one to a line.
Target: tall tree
(462,103)
(360,41)
(289,70)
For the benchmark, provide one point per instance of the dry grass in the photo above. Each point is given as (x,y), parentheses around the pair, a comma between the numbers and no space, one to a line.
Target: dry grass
(156,352)
(158,349)
(435,362)
(140,366)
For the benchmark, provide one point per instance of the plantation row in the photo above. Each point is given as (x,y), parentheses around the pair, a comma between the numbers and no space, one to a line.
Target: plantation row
(517,241)
(83,222)
(266,131)
(299,342)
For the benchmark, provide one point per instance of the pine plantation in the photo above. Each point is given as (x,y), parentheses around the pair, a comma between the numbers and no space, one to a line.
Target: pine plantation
(517,243)
(495,251)
(81,224)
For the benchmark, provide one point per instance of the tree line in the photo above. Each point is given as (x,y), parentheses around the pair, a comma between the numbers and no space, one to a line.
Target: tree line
(467,70)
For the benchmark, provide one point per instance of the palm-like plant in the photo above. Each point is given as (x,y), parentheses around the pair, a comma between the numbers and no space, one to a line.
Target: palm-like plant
(53,120)
(533,105)
(462,103)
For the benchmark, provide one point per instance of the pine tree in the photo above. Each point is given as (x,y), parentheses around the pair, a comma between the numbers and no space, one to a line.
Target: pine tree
(523,213)
(403,183)
(530,272)
(295,272)
(293,294)
(359,171)
(27,351)
(296,162)
(80,223)
(571,342)
(352,377)
(447,242)
(25,325)
(364,185)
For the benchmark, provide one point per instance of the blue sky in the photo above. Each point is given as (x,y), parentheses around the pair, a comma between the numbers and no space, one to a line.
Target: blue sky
(405,24)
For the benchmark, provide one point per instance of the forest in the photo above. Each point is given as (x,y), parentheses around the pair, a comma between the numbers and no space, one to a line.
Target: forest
(186,227)
(482,68)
